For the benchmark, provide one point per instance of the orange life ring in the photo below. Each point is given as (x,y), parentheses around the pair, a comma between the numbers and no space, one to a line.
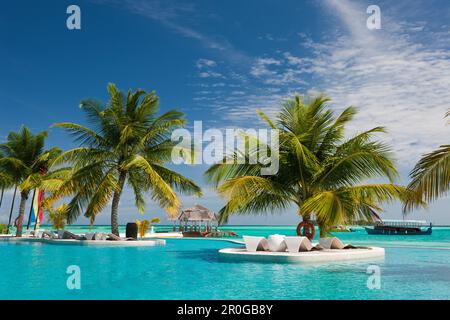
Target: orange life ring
(306,229)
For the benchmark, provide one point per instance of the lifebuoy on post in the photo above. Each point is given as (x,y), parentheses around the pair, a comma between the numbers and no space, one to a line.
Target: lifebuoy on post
(306,229)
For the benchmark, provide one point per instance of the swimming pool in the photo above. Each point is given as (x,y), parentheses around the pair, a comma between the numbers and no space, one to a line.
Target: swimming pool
(414,268)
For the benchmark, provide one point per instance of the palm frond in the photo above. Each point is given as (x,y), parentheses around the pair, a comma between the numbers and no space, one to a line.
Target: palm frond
(82,134)
(430,178)
(161,190)
(349,204)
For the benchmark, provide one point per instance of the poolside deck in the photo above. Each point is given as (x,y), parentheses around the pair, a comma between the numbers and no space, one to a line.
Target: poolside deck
(137,243)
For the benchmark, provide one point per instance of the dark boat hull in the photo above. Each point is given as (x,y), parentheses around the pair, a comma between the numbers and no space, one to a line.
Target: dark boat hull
(399,231)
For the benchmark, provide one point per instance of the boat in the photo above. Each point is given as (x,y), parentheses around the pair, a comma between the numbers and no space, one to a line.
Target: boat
(400,227)
(341,228)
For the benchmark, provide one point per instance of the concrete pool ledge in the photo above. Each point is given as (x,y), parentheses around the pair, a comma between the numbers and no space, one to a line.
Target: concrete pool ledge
(97,243)
(241,254)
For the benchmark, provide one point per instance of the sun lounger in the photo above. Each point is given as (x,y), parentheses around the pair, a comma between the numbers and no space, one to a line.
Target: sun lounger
(66,235)
(89,236)
(48,234)
(113,237)
(253,244)
(37,233)
(276,243)
(300,244)
(335,243)
(296,244)
(100,236)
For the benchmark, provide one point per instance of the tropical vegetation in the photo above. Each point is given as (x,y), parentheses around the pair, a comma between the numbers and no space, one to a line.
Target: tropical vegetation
(144,225)
(57,216)
(321,172)
(126,144)
(24,163)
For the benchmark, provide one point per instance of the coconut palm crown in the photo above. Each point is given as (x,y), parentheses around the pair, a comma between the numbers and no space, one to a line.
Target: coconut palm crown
(125,144)
(320,171)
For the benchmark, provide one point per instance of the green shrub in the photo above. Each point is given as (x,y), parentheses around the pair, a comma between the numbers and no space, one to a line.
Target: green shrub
(3,228)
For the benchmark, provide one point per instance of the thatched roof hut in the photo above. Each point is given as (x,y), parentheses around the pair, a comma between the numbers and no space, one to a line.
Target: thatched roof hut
(197,213)
(196,218)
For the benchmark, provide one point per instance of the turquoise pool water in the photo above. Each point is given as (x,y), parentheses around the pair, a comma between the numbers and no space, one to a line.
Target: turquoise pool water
(415,267)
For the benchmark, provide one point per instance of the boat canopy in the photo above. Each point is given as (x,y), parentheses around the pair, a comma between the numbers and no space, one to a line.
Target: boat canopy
(403,223)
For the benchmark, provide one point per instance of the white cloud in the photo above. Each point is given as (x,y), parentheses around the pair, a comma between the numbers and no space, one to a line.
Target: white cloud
(398,76)
(261,67)
(179,17)
(209,74)
(396,80)
(205,63)
(292,59)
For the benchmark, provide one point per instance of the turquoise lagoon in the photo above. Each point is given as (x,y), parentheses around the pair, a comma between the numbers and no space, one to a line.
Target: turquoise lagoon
(415,267)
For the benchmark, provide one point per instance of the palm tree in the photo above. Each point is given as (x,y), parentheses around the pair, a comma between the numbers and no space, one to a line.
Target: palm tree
(24,162)
(126,144)
(430,178)
(320,172)
(144,225)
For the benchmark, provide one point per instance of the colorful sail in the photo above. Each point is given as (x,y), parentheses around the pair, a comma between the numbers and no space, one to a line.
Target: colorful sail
(36,209)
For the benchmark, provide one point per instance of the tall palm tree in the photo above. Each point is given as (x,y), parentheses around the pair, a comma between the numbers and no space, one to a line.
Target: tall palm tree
(320,172)
(127,143)
(430,178)
(24,161)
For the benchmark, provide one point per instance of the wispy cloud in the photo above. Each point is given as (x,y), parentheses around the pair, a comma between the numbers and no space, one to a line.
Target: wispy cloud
(205,63)
(262,67)
(398,76)
(172,14)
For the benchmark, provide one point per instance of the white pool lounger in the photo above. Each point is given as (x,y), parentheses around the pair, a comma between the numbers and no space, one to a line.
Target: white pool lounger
(298,244)
(276,243)
(253,244)
(331,255)
(333,243)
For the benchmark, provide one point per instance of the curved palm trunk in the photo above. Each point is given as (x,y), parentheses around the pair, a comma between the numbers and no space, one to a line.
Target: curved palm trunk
(23,201)
(115,204)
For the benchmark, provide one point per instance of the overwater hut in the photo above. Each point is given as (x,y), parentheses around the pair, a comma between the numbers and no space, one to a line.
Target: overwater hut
(196,219)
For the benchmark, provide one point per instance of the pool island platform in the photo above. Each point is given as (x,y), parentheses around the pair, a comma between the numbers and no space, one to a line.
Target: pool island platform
(97,243)
(326,255)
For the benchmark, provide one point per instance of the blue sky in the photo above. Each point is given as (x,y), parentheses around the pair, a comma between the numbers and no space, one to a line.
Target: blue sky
(220,60)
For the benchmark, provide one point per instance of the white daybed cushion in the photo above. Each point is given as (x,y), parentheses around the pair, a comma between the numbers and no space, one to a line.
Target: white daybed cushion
(331,243)
(297,244)
(253,244)
(276,243)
